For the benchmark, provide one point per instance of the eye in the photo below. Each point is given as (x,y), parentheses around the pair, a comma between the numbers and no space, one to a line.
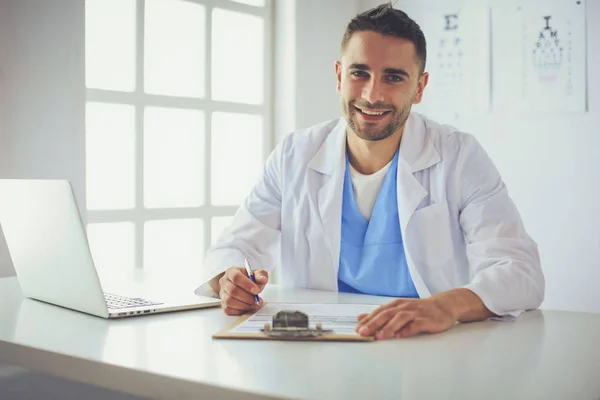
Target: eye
(395,78)
(359,74)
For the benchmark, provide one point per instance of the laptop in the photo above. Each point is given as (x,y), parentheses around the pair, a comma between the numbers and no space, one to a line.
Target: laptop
(50,252)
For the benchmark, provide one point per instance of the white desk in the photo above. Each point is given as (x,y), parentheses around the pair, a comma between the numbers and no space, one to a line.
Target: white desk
(549,354)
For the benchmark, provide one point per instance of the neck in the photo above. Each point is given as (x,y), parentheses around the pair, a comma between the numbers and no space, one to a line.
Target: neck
(368,157)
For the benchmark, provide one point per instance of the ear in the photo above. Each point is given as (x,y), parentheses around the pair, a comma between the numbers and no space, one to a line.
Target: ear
(421,87)
(338,73)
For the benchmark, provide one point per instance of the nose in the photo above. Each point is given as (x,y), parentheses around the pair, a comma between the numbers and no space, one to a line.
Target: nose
(372,91)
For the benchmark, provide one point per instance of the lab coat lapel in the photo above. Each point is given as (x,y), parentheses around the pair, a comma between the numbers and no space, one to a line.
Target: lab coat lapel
(409,192)
(417,152)
(329,163)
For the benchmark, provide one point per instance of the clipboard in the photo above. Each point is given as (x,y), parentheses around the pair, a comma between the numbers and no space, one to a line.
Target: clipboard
(227,333)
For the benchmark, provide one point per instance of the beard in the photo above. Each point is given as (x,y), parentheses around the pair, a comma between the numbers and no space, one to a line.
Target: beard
(369,131)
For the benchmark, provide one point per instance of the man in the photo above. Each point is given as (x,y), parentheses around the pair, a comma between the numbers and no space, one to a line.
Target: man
(383,202)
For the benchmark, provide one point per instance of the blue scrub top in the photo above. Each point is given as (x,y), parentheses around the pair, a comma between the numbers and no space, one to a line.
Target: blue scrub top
(372,259)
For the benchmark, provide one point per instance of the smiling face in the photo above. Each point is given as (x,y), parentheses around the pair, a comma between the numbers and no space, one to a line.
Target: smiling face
(379,80)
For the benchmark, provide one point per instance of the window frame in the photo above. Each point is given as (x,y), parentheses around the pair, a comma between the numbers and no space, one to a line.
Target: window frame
(139,100)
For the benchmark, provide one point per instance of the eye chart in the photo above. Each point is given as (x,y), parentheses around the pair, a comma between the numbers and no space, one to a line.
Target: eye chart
(458,60)
(553,55)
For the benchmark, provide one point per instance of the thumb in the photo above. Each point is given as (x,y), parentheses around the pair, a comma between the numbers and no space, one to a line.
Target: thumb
(261,276)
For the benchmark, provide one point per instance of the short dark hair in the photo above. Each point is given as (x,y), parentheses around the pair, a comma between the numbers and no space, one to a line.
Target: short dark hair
(388,21)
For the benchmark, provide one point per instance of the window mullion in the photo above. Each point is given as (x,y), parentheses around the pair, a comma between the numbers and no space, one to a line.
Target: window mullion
(208,128)
(106,96)
(139,130)
(268,72)
(97,216)
(233,6)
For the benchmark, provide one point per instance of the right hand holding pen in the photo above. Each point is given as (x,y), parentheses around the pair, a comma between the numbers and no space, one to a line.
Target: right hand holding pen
(237,290)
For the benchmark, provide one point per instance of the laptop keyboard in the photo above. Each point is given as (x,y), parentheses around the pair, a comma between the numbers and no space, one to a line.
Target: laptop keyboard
(115,301)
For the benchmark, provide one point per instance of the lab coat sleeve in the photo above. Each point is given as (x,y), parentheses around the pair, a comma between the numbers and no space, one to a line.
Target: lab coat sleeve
(504,260)
(255,230)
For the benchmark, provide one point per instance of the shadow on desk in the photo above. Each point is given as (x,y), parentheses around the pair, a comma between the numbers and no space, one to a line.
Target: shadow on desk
(61,327)
(20,384)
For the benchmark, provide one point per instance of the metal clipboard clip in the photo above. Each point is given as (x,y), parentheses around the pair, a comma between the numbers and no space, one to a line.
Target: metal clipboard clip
(292,324)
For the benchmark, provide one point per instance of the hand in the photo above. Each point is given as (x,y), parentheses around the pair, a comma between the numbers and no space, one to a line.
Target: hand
(237,290)
(405,317)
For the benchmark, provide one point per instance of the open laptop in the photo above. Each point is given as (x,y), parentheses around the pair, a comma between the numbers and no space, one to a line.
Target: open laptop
(51,255)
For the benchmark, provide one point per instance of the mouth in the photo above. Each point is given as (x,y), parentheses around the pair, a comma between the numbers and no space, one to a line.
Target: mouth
(372,115)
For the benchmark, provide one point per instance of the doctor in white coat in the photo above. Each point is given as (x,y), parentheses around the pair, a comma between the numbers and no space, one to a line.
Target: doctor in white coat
(382,201)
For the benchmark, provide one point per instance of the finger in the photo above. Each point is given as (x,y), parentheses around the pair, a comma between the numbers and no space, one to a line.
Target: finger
(222,282)
(232,301)
(233,311)
(241,280)
(262,277)
(229,310)
(373,325)
(238,293)
(366,318)
(382,309)
(412,328)
(396,323)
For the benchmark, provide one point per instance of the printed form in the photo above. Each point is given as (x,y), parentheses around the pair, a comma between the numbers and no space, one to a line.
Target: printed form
(341,318)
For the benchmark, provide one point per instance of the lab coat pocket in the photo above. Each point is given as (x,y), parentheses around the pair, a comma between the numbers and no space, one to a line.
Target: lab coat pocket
(431,234)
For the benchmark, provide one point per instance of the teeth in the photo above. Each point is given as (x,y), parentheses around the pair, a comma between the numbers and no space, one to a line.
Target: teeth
(371,112)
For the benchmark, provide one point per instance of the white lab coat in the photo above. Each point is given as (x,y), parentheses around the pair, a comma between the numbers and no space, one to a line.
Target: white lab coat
(459,226)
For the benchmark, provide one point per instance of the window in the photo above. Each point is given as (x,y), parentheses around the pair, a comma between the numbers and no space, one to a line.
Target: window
(178,124)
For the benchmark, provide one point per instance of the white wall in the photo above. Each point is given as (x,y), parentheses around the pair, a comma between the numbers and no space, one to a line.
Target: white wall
(321,25)
(6,268)
(42,94)
(551,166)
(3,56)
(308,96)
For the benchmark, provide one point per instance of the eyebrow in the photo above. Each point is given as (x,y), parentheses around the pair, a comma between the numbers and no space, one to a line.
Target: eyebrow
(365,67)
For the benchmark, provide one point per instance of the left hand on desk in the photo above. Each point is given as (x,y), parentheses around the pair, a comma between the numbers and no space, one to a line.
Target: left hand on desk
(405,317)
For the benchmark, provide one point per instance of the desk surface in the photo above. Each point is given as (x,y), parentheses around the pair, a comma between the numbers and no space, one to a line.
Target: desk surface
(543,354)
